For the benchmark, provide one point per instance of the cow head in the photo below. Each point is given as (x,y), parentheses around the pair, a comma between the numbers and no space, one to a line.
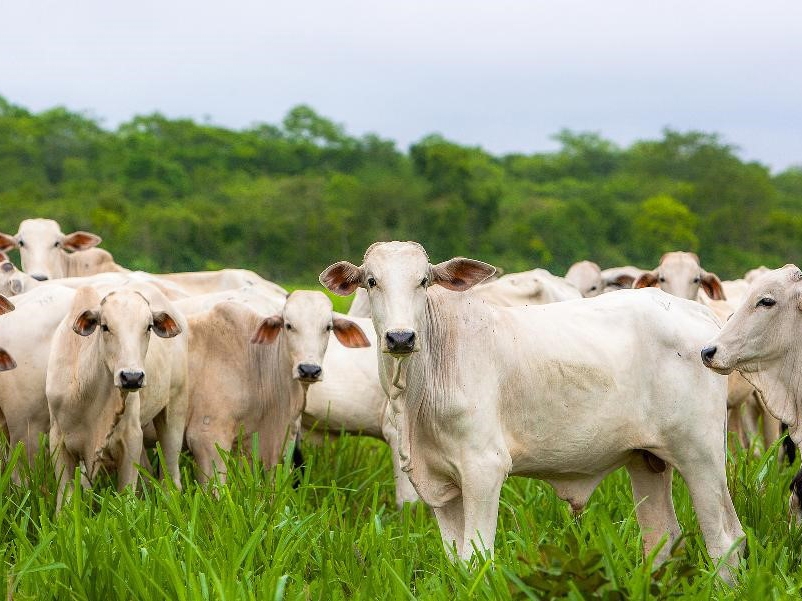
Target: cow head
(12,280)
(763,329)
(587,278)
(679,274)
(125,322)
(305,323)
(396,276)
(42,247)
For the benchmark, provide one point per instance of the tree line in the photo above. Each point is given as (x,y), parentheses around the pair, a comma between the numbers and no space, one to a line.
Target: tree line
(286,200)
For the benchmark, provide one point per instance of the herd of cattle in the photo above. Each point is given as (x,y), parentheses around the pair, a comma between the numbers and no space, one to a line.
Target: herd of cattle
(471,377)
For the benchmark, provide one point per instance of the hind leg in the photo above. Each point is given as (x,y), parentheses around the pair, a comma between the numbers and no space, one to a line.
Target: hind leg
(654,506)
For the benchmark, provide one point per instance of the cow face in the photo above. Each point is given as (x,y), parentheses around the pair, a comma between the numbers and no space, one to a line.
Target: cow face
(125,321)
(586,277)
(679,274)
(42,247)
(305,324)
(11,279)
(396,276)
(763,328)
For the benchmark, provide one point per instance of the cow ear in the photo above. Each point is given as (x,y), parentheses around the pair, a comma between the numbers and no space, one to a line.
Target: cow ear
(6,361)
(164,326)
(16,286)
(460,274)
(646,280)
(6,266)
(342,278)
(7,242)
(349,334)
(712,286)
(268,330)
(80,241)
(624,280)
(6,306)
(86,322)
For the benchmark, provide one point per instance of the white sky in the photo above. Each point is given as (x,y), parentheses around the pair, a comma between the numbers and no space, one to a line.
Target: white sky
(502,74)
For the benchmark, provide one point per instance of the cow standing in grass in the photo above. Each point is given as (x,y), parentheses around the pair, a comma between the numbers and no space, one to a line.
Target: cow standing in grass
(565,392)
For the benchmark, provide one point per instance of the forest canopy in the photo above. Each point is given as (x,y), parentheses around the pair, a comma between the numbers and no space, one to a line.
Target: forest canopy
(288,199)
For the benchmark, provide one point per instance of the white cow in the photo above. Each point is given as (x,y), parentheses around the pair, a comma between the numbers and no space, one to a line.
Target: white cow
(586,277)
(618,278)
(760,341)
(351,399)
(7,362)
(27,334)
(117,362)
(535,287)
(204,282)
(481,392)
(48,253)
(249,373)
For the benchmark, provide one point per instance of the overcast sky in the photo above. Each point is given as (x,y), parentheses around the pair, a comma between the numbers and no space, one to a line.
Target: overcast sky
(505,75)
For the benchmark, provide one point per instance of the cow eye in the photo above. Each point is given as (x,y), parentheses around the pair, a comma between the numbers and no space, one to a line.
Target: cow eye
(424,281)
(329,328)
(150,327)
(696,280)
(592,288)
(662,279)
(57,244)
(371,282)
(288,326)
(766,302)
(104,327)
(20,244)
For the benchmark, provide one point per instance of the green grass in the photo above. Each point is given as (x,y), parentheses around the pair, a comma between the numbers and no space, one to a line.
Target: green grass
(339,536)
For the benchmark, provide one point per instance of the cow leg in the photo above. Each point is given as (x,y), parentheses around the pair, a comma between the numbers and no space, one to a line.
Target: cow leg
(131,446)
(170,433)
(651,492)
(735,426)
(204,446)
(481,491)
(451,521)
(771,427)
(64,464)
(703,469)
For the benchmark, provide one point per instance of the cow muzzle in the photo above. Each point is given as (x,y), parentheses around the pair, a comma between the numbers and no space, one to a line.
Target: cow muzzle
(309,372)
(710,361)
(130,379)
(399,342)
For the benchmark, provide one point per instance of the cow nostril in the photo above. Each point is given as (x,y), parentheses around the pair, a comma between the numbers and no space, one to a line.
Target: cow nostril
(309,370)
(708,353)
(132,379)
(400,341)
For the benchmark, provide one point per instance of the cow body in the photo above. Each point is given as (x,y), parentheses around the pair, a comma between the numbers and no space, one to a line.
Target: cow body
(109,375)
(535,287)
(481,392)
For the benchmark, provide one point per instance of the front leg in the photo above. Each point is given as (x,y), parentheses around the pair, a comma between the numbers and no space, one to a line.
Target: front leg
(64,464)
(451,521)
(131,445)
(481,490)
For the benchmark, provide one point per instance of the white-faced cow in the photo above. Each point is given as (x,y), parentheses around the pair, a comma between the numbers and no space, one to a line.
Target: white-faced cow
(117,362)
(47,253)
(249,373)
(586,276)
(760,341)
(566,392)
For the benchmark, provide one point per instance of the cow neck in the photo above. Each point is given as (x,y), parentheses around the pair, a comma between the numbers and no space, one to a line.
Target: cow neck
(280,395)
(93,379)
(780,384)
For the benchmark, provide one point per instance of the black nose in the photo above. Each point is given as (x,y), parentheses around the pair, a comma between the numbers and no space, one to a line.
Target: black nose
(707,354)
(401,341)
(39,276)
(132,380)
(309,371)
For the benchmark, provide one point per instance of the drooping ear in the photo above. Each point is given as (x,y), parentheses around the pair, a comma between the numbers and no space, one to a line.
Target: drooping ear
(6,306)
(646,280)
(712,286)
(6,361)
(86,322)
(164,326)
(7,242)
(342,278)
(268,330)
(349,334)
(80,241)
(460,274)
(4,258)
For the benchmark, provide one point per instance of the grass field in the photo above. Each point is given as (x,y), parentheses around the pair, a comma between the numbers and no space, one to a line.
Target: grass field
(339,536)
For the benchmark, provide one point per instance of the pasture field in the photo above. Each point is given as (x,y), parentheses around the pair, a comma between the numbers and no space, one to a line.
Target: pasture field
(338,536)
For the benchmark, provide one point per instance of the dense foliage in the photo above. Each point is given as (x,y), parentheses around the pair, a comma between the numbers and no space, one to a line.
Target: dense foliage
(287,200)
